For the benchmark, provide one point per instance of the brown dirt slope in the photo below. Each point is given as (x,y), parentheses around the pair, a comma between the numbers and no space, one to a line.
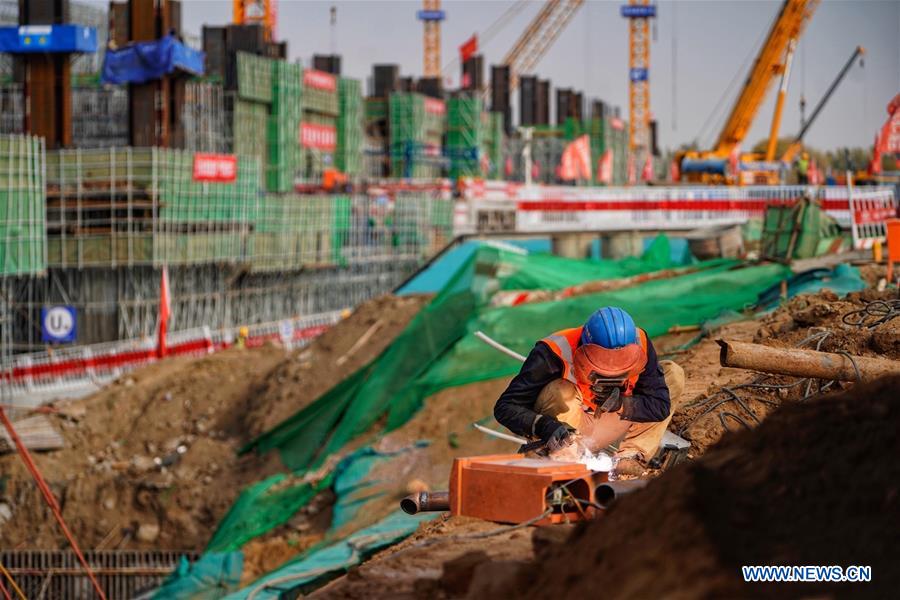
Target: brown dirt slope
(112,493)
(335,355)
(812,485)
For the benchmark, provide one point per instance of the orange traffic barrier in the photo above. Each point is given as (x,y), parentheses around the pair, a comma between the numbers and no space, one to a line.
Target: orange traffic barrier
(893,242)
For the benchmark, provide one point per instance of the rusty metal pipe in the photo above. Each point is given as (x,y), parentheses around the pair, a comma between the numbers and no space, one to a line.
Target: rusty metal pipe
(425,502)
(607,493)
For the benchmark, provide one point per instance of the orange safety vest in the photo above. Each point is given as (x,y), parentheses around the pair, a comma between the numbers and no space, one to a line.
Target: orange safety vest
(563,344)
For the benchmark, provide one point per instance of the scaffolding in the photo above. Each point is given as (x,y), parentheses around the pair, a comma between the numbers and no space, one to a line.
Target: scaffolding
(99,116)
(12,109)
(207,126)
(22,220)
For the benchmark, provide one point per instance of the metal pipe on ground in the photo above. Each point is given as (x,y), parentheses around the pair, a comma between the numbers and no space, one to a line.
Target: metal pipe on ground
(798,362)
(606,493)
(425,502)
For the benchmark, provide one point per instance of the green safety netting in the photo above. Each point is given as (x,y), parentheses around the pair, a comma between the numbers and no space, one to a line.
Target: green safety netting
(437,350)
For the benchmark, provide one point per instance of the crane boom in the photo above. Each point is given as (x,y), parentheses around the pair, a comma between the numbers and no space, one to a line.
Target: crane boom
(541,32)
(795,146)
(789,25)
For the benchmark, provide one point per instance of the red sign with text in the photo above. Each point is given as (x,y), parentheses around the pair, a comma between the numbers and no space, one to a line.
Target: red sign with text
(215,168)
(435,106)
(319,80)
(320,137)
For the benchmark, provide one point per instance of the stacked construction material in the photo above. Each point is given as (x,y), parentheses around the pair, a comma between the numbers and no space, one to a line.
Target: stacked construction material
(146,206)
(464,136)
(318,129)
(295,232)
(349,127)
(250,108)
(283,152)
(416,129)
(22,219)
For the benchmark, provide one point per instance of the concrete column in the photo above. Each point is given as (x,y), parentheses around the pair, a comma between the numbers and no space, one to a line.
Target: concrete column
(620,244)
(572,245)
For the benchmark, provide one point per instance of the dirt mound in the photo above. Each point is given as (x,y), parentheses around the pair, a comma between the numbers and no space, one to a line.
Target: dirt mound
(807,487)
(817,321)
(150,461)
(335,355)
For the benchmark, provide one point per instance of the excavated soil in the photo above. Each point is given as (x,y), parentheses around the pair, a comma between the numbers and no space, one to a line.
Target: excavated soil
(337,354)
(113,493)
(812,485)
(788,326)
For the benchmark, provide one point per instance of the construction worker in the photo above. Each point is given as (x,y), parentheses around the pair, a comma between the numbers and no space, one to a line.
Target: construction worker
(803,169)
(602,381)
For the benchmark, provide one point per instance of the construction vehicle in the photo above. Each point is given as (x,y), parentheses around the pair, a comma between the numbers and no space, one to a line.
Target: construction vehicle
(721,164)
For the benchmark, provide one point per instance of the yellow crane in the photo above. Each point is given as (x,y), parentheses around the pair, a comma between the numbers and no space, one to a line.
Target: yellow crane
(431,16)
(540,34)
(247,12)
(712,166)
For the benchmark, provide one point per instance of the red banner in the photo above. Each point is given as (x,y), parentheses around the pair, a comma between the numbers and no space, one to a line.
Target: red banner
(319,80)
(890,133)
(576,160)
(320,137)
(435,106)
(469,48)
(216,168)
(605,168)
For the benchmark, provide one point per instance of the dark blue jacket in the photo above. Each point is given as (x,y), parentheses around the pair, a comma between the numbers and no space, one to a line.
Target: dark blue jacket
(515,407)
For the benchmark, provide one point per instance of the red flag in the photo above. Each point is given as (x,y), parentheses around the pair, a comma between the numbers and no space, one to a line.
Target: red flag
(632,175)
(647,171)
(508,167)
(576,160)
(875,165)
(469,48)
(674,171)
(605,167)
(814,176)
(535,170)
(164,302)
(734,160)
(890,132)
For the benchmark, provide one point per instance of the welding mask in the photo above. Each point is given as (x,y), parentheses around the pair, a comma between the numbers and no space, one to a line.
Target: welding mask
(608,371)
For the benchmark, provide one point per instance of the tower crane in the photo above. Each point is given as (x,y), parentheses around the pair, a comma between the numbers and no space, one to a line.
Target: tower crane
(247,12)
(711,166)
(538,36)
(639,13)
(431,16)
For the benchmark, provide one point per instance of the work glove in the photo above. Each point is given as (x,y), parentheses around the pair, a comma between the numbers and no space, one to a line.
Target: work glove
(617,402)
(554,434)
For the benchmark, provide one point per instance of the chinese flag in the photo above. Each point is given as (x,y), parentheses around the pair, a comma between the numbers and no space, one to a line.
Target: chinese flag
(164,301)
(605,167)
(674,171)
(469,48)
(875,165)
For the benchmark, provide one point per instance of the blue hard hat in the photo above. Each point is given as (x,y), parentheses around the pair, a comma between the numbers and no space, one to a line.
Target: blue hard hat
(610,327)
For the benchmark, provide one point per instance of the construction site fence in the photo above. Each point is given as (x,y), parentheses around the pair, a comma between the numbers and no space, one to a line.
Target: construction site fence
(30,379)
(58,574)
(496,206)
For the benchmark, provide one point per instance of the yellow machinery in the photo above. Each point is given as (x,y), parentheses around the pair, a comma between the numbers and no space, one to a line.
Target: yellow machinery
(247,12)
(718,166)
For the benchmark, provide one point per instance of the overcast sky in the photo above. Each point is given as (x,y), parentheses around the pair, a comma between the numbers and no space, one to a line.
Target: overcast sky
(701,48)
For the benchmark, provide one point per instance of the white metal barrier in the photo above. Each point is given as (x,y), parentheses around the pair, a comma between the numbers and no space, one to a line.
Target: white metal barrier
(35,378)
(545,209)
(869,209)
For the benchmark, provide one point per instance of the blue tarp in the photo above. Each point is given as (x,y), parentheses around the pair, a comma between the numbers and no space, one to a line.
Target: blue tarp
(147,61)
(841,280)
(63,39)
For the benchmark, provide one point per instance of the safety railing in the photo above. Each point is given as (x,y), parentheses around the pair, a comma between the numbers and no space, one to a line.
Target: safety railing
(546,209)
